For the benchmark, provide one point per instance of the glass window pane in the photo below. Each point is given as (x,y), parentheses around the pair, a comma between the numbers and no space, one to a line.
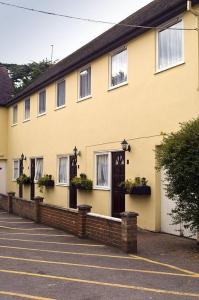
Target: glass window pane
(170,48)
(15,112)
(63,162)
(60,93)
(42,102)
(119,68)
(85,83)
(102,170)
(15,169)
(27,109)
(38,168)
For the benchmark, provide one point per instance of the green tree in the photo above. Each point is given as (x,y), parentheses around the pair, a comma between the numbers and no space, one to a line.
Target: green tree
(23,75)
(179,156)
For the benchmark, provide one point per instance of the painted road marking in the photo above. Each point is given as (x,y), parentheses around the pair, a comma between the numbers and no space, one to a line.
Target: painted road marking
(16,222)
(57,243)
(37,234)
(109,284)
(24,296)
(68,252)
(37,228)
(164,265)
(96,266)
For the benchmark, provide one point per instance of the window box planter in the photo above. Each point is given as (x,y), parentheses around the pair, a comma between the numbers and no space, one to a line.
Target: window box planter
(137,186)
(46,181)
(49,183)
(24,179)
(144,190)
(82,183)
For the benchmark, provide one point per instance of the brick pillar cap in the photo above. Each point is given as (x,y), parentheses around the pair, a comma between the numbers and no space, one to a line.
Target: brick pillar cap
(84,207)
(38,198)
(11,193)
(129,214)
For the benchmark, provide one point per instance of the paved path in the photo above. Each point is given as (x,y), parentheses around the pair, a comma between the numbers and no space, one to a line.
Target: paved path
(38,262)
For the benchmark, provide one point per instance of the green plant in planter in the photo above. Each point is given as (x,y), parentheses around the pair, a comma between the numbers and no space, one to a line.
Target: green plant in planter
(82,182)
(127,185)
(24,179)
(137,186)
(45,181)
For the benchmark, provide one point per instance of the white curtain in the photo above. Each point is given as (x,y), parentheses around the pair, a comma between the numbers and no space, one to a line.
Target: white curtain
(27,109)
(63,169)
(119,68)
(170,46)
(102,170)
(85,83)
(42,102)
(61,93)
(38,168)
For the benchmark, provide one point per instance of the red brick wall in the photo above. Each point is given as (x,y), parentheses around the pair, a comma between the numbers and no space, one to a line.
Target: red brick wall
(4,202)
(104,229)
(60,218)
(24,208)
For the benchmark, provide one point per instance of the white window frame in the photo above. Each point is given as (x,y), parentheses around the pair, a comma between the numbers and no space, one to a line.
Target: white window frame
(56,94)
(14,123)
(111,54)
(88,96)
(35,158)
(67,170)
(168,25)
(97,187)
(38,113)
(13,164)
(26,119)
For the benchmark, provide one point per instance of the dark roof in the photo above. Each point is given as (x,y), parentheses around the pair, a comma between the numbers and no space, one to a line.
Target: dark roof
(5,86)
(153,14)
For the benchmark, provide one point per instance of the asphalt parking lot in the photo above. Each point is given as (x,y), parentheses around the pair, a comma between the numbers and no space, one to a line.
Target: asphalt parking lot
(38,262)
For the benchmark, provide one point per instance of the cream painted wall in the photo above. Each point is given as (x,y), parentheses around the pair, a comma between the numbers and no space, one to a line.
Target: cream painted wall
(149,104)
(3,132)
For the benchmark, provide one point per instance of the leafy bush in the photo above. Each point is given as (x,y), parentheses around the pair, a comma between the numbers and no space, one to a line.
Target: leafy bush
(82,182)
(23,179)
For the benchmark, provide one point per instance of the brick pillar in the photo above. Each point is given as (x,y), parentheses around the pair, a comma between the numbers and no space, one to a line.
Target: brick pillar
(10,197)
(129,232)
(82,215)
(37,200)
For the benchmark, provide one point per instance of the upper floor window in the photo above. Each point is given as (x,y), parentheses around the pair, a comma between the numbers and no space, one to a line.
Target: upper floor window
(14,114)
(15,169)
(85,83)
(38,168)
(60,93)
(27,109)
(102,170)
(170,46)
(118,67)
(42,102)
(63,170)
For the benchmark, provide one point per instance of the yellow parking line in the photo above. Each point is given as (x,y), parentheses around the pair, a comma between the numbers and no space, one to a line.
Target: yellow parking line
(68,252)
(37,228)
(24,296)
(99,283)
(96,266)
(57,243)
(164,265)
(37,234)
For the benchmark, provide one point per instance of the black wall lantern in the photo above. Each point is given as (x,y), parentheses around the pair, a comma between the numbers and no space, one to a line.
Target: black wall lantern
(125,146)
(76,152)
(23,157)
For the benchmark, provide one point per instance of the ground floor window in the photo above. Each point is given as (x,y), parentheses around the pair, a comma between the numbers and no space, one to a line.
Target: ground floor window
(38,168)
(102,175)
(15,169)
(62,170)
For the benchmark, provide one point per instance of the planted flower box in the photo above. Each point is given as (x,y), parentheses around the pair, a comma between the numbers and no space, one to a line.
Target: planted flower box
(82,183)
(49,183)
(144,190)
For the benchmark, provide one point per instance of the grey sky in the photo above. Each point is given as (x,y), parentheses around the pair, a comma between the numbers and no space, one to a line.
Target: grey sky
(27,36)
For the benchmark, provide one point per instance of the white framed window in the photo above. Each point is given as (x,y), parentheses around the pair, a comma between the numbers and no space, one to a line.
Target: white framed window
(15,173)
(27,109)
(63,170)
(15,114)
(38,168)
(85,83)
(170,50)
(42,102)
(102,170)
(61,90)
(118,66)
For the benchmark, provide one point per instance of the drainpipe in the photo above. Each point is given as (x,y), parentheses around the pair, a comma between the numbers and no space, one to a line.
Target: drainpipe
(195,13)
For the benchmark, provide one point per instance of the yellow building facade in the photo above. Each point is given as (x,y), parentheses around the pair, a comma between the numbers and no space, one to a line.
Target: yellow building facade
(150,100)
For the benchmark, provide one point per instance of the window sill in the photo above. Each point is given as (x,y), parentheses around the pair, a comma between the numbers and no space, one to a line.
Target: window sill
(41,115)
(62,184)
(60,107)
(117,86)
(102,188)
(13,125)
(84,98)
(27,120)
(170,67)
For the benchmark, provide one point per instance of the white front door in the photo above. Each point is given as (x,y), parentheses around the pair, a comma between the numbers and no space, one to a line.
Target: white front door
(3,171)
(166,207)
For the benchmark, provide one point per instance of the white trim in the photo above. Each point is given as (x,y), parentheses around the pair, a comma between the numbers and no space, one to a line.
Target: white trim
(97,187)
(111,54)
(167,25)
(84,98)
(66,184)
(56,93)
(79,99)
(43,113)
(14,124)
(13,161)
(24,110)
